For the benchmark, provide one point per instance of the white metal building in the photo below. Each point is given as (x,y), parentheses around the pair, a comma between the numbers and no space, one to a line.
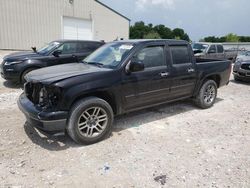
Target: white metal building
(26,23)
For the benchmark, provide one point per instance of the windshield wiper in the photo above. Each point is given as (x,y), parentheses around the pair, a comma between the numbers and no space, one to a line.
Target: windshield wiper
(94,63)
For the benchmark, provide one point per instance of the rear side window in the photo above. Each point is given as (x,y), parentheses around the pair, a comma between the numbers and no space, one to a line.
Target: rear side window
(180,54)
(152,56)
(87,46)
(220,49)
(68,48)
(212,49)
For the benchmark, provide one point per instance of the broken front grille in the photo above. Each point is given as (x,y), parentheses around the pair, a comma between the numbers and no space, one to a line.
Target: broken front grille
(32,90)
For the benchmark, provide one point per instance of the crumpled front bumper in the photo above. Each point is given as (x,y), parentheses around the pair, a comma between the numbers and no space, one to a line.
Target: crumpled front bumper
(51,121)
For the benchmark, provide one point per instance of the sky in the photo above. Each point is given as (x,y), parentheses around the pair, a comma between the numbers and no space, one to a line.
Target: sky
(199,18)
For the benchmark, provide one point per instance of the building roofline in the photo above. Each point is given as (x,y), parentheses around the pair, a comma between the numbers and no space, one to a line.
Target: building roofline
(112,10)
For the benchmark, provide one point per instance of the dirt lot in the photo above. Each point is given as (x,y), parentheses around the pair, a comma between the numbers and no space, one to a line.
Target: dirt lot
(175,145)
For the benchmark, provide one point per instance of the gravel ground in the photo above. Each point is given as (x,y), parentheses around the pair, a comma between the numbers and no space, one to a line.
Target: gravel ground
(174,145)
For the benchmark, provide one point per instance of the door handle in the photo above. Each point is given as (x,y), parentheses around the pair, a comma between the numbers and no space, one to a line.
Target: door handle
(164,74)
(190,70)
(74,56)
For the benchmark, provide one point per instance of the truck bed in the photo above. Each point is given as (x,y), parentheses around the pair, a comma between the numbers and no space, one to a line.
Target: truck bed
(222,68)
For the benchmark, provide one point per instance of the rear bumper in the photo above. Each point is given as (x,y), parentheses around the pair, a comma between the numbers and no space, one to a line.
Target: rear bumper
(44,120)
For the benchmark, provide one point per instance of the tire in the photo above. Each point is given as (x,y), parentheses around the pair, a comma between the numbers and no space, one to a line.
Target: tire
(204,99)
(22,79)
(86,124)
(236,79)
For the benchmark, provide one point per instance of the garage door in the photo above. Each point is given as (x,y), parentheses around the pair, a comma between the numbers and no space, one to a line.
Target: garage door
(78,29)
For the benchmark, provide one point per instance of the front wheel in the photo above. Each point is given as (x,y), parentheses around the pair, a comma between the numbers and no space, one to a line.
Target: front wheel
(207,94)
(236,79)
(22,79)
(90,120)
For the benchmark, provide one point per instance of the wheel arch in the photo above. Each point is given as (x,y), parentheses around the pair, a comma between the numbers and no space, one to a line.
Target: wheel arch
(214,77)
(104,95)
(27,68)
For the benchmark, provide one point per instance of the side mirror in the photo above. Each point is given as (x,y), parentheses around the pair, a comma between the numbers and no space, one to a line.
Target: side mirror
(34,49)
(134,66)
(56,53)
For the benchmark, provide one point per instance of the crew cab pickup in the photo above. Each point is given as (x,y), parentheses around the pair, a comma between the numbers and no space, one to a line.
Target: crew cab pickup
(120,77)
(213,51)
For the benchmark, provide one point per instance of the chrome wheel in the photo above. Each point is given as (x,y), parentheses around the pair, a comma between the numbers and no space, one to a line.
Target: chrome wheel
(92,122)
(209,94)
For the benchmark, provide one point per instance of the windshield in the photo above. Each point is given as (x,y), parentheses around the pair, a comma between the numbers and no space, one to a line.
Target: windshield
(198,46)
(48,47)
(109,55)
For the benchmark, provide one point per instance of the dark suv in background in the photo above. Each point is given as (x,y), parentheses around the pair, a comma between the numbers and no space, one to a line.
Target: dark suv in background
(16,65)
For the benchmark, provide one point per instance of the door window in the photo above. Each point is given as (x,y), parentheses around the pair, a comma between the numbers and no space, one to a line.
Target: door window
(180,54)
(87,46)
(152,56)
(212,49)
(220,49)
(68,48)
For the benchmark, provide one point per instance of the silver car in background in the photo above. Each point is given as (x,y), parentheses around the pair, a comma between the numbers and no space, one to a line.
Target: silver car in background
(241,70)
(213,51)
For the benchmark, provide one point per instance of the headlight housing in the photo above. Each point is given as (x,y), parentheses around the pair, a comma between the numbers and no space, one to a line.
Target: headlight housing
(49,97)
(238,61)
(12,63)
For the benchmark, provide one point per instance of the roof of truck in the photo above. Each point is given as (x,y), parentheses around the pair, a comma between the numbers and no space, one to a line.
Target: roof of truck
(169,41)
(208,43)
(67,40)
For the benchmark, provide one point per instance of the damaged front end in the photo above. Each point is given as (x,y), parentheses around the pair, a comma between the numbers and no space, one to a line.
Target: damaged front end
(45,97)
(40,104)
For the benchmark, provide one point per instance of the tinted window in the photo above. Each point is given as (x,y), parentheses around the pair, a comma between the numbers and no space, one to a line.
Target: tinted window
(87,46)
(152,56)
(180,54)
(68,48)
(220,49)
(212,49)
(47,48)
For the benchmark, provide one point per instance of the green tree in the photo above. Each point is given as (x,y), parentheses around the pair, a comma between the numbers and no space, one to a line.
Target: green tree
(152,35)
(232,38)
(137,31)
(140,31)
(164,32)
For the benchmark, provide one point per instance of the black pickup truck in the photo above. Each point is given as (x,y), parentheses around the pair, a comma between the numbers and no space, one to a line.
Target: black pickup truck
(120,77)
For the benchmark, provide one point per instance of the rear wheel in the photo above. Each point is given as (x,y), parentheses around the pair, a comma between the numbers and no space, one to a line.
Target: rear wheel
(90,121)
(207,94)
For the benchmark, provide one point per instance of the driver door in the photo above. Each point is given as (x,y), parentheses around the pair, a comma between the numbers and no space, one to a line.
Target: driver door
(150,86)
(67,54)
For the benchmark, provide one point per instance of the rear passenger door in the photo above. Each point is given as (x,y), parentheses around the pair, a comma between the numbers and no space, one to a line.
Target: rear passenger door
(151,85)
(183,72)
(212,52)
(220,52)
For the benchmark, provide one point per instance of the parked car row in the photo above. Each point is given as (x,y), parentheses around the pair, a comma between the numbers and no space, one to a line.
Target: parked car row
(119,77)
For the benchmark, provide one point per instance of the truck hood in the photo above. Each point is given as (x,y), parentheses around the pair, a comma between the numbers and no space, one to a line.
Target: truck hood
(19,56)
(57,73)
